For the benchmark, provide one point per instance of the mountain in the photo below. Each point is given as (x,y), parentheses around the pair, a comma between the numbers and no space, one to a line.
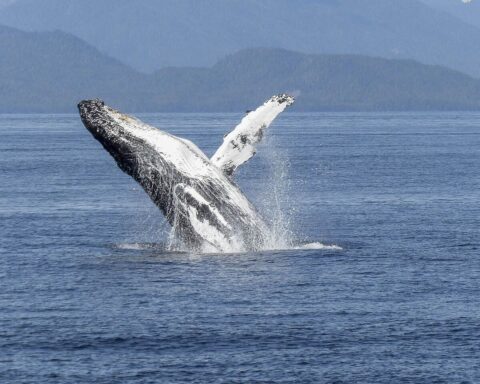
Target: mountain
(321,82)
(49,71)
(152,34)
(52,71)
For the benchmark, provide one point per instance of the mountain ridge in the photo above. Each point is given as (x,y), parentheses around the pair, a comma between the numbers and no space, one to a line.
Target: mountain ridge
(51,71)
(162,33)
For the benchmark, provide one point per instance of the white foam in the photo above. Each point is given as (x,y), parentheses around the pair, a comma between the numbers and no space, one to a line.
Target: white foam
(212,250)
(137,246)
(133,246)
(318,245)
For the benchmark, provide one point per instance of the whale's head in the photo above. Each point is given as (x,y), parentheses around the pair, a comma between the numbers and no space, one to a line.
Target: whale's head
(100,121)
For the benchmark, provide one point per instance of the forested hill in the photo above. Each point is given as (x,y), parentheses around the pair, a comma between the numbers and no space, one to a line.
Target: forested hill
(52,71)
(322,82)
(152,34)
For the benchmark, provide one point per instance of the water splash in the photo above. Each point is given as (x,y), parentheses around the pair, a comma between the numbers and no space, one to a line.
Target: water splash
(165,248)
(275,197)
(317,245)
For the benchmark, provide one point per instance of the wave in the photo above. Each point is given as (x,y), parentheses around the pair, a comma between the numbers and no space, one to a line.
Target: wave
(164,247)
(318,245)
(141,246)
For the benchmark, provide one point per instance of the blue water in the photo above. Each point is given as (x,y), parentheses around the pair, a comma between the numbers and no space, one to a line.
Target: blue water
(89,295)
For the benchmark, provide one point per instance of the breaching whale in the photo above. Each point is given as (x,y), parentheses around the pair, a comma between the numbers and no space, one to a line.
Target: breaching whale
(197,195)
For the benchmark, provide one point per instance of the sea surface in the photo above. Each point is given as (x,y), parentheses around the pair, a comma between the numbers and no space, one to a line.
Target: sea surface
(89,293)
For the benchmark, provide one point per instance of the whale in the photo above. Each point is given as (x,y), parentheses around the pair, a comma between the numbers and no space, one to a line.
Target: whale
(197,195)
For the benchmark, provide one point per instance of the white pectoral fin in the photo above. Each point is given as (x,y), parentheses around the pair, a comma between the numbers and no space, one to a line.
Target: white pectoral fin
(239,145)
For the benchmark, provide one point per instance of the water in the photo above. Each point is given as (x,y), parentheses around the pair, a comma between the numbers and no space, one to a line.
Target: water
(89,295)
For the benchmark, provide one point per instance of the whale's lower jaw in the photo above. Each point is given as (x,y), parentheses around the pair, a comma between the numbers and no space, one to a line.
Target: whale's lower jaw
(206,210)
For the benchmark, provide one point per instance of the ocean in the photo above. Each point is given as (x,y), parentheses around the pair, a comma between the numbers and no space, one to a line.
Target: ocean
(381,283)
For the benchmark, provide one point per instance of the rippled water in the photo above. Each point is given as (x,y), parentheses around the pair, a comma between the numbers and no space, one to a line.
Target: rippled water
(89,295)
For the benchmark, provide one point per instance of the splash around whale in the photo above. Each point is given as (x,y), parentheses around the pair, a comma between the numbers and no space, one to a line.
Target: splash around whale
(197,195)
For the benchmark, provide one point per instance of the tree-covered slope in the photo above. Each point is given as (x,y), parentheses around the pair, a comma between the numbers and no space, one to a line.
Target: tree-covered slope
(48,71)
(52,71)
(151,34)
(321,82)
